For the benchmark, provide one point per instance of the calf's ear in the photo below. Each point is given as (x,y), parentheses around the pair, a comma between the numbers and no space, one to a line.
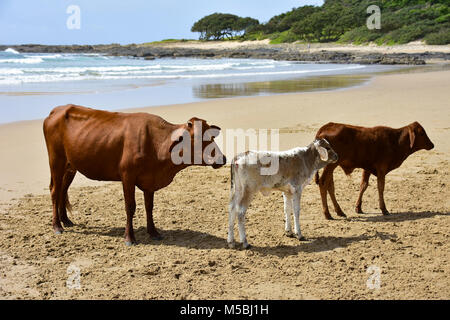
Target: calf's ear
(412,137)
(323,153)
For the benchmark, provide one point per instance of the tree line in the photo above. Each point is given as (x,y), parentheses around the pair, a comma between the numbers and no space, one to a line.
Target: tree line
(402,21)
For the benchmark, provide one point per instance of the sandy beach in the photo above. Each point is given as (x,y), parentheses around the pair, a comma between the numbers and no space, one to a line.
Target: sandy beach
(411,47)
(192,262)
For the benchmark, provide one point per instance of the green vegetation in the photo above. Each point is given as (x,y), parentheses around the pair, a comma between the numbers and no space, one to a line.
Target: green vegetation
(344,21)
(167,41)
(218,26)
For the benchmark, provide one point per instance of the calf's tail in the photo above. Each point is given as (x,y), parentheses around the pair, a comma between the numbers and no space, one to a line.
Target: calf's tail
(232,176)
(316,178)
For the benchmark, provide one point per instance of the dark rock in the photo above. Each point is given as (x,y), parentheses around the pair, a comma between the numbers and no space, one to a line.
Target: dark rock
(276,52)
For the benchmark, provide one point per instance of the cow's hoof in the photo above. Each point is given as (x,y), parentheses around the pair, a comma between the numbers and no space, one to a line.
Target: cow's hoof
(359,210)
(385,212)
(130,243)
(289,234)
(59,231)
(246,246)
(301,238)
(67,223)
(231,245)
(329,218)
(341,214)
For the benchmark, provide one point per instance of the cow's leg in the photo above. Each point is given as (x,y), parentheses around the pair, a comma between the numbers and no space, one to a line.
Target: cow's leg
(336,206)
(287,197)
(380,182)
(57,167)
(130,208)
(69,175)
(296,208)
(323,185)
(149,196)
(362,189)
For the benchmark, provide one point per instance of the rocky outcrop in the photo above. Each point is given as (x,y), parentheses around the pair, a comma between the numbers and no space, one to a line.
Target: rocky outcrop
(280,52)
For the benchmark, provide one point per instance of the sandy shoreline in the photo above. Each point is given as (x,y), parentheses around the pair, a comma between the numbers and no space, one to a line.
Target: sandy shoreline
(393,100)
(412,47)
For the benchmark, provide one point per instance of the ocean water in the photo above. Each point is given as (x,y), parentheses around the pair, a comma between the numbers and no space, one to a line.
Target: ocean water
(19,69)
(32,84)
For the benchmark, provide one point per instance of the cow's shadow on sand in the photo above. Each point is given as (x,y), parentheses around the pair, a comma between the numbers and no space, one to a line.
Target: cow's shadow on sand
(396,217)
(200,240)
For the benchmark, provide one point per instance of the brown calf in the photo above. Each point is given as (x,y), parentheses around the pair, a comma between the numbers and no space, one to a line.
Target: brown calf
(134,148)
(376,150)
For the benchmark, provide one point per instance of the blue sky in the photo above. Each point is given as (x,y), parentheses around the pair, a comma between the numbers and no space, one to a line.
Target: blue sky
(124,22)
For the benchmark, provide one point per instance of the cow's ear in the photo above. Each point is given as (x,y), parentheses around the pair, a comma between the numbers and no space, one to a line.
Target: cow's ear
(190,123)
(212,132)
(412,136)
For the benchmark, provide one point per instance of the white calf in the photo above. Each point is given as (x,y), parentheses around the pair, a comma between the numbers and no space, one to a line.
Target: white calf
(296,167)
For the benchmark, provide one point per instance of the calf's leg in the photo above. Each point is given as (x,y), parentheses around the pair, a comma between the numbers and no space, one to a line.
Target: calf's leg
(149,197)
(239,202)
(238,207)
(241,226)
(287,197)
(337,208)
(362,189)
(296,207)
(231,219)
(381,182)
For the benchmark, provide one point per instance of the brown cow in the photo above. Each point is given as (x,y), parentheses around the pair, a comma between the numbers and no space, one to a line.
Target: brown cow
(376,150)
(134,148)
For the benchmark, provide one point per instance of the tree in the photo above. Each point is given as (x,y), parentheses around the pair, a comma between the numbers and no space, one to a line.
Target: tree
(219,25)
